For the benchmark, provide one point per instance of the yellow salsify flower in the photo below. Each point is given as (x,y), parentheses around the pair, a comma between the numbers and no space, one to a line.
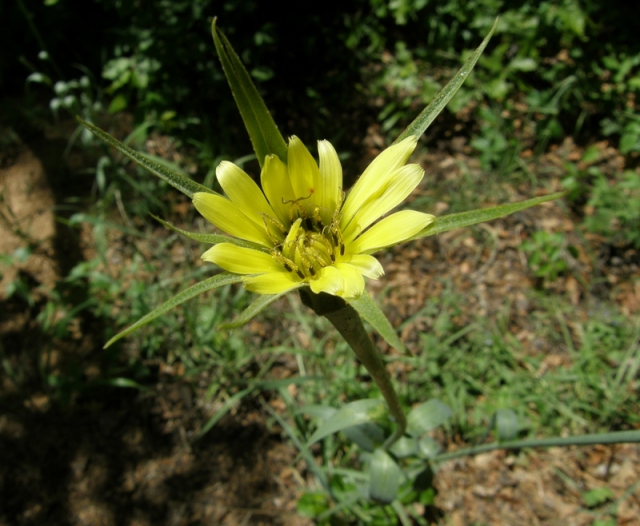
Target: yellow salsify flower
(304,229)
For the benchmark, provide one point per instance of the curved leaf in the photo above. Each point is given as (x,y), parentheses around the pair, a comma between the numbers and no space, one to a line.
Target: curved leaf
(426,417)
(208,284)
(178,181)
(385,477)
(359,412)
(368,309)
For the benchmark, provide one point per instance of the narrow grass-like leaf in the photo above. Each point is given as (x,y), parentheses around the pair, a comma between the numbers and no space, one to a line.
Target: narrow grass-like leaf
(178,181)
(615,437)
(263,132)
(427,416)
(223,411)
(277,384)
(385,477)
(442,98)
(208,284)
(213,239)
(368,309)
(261,301)
(302,448)
(506,424)
(359,412)
(464,219)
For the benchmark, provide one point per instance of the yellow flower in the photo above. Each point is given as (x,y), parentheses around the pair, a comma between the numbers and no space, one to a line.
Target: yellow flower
(303,228)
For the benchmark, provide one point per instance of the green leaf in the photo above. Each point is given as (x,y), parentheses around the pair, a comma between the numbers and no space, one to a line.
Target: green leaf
(178,181)
(428,447)
(210,238)
(506,424)
(262,301)
(359,412)
(404,447)
(312,504)
(368,436)
(368,309)
(442,98)
(223,411)
(597,496)
(208,284)
(427,416)
(263,132)
(385,477)
(463,219)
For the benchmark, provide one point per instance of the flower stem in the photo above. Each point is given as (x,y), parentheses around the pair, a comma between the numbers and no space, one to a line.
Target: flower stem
(350,326)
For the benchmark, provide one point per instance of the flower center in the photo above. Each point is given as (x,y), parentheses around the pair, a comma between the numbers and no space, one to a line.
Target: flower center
(310,245)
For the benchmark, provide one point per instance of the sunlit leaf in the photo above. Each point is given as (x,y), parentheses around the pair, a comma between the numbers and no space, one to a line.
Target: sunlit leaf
(359,412)
(427,416)
(191,292)
(385,477)
(464,219)
(506,424)
(405,447)
(368,309)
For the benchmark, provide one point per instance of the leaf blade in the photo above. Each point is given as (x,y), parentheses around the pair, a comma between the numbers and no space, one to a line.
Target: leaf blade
(178,181)
(442,98)
(369,310)
(263,132)
(213,282)
(464,219)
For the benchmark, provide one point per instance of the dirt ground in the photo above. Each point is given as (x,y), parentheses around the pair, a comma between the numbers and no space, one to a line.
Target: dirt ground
(123,457)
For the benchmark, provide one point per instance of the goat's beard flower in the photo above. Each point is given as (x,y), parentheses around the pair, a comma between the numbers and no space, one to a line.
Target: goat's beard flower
(303,229)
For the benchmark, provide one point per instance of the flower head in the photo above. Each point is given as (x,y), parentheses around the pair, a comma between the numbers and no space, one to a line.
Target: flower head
(304,229)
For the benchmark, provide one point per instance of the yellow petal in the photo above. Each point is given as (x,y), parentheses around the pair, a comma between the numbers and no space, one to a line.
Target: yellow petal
(367,265)
(277,187)
(304,174)
(353,280)
(240,260)
(329,280)
(340,280)
(229,218)
(403,182)
(330,180)
(272,283)
(244,192)
(390,231)
(376,177)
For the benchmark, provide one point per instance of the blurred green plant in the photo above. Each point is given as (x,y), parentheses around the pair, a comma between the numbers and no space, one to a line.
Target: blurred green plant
(549,254)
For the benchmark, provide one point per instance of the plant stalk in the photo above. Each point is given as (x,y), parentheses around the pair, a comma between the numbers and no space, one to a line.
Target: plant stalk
(349,324)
